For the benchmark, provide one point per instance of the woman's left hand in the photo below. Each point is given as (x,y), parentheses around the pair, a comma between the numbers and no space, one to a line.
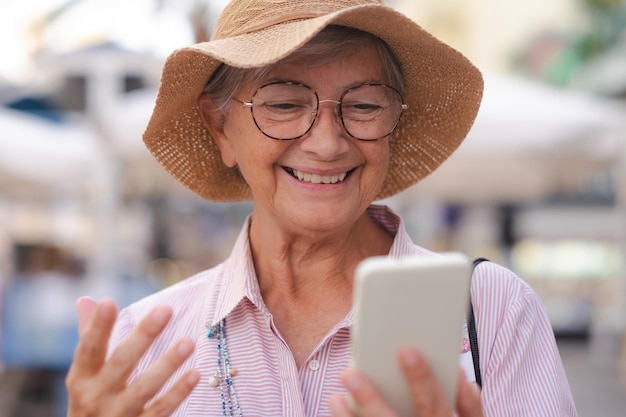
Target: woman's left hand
(428,396)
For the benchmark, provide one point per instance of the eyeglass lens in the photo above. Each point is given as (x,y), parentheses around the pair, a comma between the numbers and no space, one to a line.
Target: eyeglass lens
(288,110)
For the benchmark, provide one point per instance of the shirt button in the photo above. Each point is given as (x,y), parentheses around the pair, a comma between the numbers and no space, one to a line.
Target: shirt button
(314,365)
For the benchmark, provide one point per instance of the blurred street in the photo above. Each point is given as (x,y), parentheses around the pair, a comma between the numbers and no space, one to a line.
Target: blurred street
(594,375)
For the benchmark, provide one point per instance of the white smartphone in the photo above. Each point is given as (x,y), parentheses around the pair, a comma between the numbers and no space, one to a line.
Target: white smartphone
(418,301)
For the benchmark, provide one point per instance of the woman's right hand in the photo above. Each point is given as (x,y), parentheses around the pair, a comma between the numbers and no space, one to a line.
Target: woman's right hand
(99,387)
(428,396)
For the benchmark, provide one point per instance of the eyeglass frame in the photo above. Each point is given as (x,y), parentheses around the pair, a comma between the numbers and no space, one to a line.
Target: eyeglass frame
(316,112)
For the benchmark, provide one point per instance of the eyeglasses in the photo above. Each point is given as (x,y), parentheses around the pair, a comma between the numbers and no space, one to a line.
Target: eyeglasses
(287,110)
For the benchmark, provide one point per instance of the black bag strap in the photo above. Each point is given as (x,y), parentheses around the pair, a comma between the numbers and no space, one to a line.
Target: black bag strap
(473,336)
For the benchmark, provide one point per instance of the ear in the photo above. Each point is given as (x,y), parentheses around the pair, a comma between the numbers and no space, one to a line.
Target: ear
(214,119)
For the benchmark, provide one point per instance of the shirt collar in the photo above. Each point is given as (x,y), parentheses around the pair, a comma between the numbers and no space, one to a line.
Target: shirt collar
(239,282)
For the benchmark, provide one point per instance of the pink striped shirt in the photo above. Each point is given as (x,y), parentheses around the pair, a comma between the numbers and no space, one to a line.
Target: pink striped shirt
(521,368)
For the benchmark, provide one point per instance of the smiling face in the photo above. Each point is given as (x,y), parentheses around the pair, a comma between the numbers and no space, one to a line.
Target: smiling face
(322,181)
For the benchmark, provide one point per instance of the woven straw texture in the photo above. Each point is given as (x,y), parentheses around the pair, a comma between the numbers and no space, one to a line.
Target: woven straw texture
(443,89)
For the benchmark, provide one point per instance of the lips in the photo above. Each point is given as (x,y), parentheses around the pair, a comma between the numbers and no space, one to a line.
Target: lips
(316,178)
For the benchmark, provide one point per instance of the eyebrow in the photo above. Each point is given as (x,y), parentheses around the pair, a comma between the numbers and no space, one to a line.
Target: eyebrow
(294,80)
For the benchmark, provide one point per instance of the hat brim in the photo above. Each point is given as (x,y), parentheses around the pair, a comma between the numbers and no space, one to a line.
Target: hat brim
(443,93)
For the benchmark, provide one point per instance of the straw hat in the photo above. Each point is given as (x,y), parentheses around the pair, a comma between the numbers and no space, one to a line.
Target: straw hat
(443,89)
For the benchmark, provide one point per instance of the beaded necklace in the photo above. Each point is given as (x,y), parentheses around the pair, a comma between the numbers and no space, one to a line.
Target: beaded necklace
(223,377)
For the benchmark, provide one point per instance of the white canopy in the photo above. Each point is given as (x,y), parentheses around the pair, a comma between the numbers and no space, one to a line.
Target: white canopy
(39,151)
(529,140)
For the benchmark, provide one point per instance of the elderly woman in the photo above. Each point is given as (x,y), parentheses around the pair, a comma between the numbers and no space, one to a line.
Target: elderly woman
(313,109)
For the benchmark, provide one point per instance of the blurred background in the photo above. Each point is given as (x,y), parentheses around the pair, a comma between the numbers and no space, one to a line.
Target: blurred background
(539,185)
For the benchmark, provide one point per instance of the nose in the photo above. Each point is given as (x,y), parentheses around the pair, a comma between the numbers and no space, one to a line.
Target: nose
(327,137)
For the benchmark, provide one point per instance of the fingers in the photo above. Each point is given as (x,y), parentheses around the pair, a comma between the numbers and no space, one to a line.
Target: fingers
(92,346)
(97,322)
(468,401)
(86,308)
(147,385)
(95,385)
(127,354)
(365,397)
(167,403)
(339,406)
(428,396)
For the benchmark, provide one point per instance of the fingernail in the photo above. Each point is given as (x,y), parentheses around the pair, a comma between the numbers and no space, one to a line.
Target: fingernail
(193,377)
(339,405)
(105,310)
(353,381)
(160,315)
(410,357)
(185,347)
(473,386)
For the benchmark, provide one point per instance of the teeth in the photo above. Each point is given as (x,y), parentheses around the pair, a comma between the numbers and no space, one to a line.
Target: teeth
(319,179)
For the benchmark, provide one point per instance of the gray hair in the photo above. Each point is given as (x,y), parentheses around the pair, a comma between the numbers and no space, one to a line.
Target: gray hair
(324,47)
